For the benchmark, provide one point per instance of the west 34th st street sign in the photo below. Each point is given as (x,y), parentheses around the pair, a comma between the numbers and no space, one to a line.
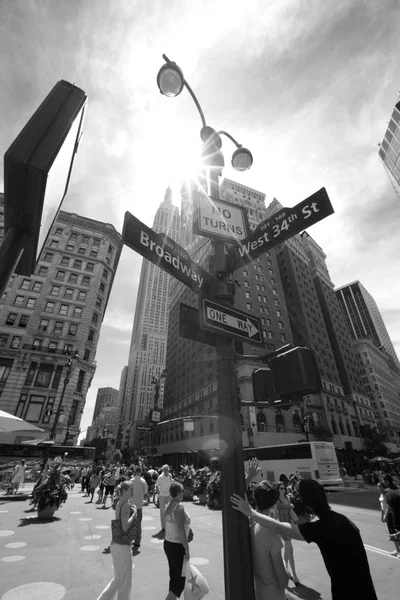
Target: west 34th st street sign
(281,226)
(164,252)
(238,324)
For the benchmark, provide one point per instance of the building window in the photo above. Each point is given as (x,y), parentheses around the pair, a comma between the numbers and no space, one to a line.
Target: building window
(93,254)
(98,302)
(43,325)
(89,267)
(58,231)
(68,348)
(65,261)
(5,368)
(95,318)
(63,309)
(60,275)
(35,407)
(19,300)
(49,306)
(53,346)
(110,249)
(74,237)
(73,328)
(81,250)
(42,271)
(102,287)
(280,423)
(37,344)
(91,335)
(82,296)
(55,290)
(57,377)
(44,375)
(81,378)
(58,327)
(85,239)
(105,273)
(23,321)
(31,373)
(73,278)
(70,247)
(54,244)
(96,243)
(48,257)
(283,337)
(15,342)
(3,340)
(74,412)
(49,405)
(85,280)
(78,311)
(249,306)
(78,264)
(31,303)
(86,356)
(296,423)
(69,292)
(37,286)
(21,405)
(261,423)
(25,284)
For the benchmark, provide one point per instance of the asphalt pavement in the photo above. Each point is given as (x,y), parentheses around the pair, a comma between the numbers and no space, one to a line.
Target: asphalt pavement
(63,559)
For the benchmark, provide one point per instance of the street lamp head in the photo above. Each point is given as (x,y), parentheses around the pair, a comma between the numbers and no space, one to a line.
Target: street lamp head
(242,159)
(170,80)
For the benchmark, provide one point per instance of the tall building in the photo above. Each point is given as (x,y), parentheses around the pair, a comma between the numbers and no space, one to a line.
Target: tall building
(389,149)
(58,309)
(122,408)
(147,354)
(363,317)
(106,397)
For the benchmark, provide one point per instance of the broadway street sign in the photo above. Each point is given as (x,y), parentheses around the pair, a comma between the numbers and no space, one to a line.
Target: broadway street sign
(164,252)
(281,226)
(236,323)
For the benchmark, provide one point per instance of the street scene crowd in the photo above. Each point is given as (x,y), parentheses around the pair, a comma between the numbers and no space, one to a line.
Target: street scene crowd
(278,512)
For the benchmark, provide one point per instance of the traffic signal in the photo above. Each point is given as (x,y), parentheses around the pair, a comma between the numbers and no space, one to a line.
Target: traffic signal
(263,386)
(296,372)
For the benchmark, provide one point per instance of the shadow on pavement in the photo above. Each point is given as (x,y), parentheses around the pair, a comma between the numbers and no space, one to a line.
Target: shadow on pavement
(304,592)
(29,510)
(36,521)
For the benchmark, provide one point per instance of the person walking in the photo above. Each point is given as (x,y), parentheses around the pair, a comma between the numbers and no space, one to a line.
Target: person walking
(163,485)
(121,583)
(287,515)
(139,493)
(338,539)
(93,483)
(18,476)
(110,486)
(176,545)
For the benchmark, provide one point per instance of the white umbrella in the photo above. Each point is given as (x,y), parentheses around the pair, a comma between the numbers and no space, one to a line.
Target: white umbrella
(11,424)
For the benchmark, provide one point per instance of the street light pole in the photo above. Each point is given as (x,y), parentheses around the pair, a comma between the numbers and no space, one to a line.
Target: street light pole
(236,539)
(66,381)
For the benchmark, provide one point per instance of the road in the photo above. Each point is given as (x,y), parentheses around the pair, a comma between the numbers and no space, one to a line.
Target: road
(62,559)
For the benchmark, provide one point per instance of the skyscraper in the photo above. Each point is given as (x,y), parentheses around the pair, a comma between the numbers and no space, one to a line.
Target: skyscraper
(363,317)
(147,354)
(106,397)
(389,149)
(59,309)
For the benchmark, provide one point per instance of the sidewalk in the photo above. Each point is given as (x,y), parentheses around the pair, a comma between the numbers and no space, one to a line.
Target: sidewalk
(62,558)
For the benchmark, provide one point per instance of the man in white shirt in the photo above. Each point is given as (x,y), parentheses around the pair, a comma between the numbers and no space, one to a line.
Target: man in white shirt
(163,484)
(139,491)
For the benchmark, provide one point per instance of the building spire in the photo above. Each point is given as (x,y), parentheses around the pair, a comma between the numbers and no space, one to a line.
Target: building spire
(168,195)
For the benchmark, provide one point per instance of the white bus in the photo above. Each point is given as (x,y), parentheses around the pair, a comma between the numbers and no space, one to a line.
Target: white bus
(308,460)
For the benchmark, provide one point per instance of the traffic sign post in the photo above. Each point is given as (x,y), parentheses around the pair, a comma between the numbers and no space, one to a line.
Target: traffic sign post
(238,324)
(281,226)
(218,219)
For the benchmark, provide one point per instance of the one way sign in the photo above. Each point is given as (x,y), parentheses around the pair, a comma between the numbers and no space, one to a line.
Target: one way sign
(238,324)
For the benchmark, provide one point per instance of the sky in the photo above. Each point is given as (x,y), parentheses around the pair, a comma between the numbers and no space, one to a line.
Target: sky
(307,86)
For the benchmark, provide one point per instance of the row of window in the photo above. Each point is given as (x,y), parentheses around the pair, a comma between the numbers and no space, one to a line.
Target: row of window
(34,408)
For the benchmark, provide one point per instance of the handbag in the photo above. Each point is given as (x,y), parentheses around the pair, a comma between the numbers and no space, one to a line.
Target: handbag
(119,536)
(190,535)
(196,586)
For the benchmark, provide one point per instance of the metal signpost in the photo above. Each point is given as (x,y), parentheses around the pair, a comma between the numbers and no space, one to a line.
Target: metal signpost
(281,226)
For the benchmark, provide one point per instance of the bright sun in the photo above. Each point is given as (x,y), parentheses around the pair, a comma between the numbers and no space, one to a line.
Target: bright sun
(184,159)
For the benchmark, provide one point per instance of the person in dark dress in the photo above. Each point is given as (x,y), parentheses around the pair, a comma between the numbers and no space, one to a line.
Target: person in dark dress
(337,537)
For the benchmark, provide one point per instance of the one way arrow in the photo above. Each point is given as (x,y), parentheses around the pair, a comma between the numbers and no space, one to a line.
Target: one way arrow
(231,321)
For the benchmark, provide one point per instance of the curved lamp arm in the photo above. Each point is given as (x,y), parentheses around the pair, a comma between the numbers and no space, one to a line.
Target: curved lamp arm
(191,92)
(228,135)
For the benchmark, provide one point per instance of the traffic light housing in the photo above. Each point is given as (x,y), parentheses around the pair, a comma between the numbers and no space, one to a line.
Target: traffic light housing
(296,372)
(263,386)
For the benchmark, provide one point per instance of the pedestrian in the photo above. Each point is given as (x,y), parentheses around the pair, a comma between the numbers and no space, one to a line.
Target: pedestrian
(102,485)
(392,498)
(84,472)
(287,515)
(338,539)
(18,476)
(270,576)
(176,545)
(93,483)
(139,493)
(109,488)
(121,583)
(163,485)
